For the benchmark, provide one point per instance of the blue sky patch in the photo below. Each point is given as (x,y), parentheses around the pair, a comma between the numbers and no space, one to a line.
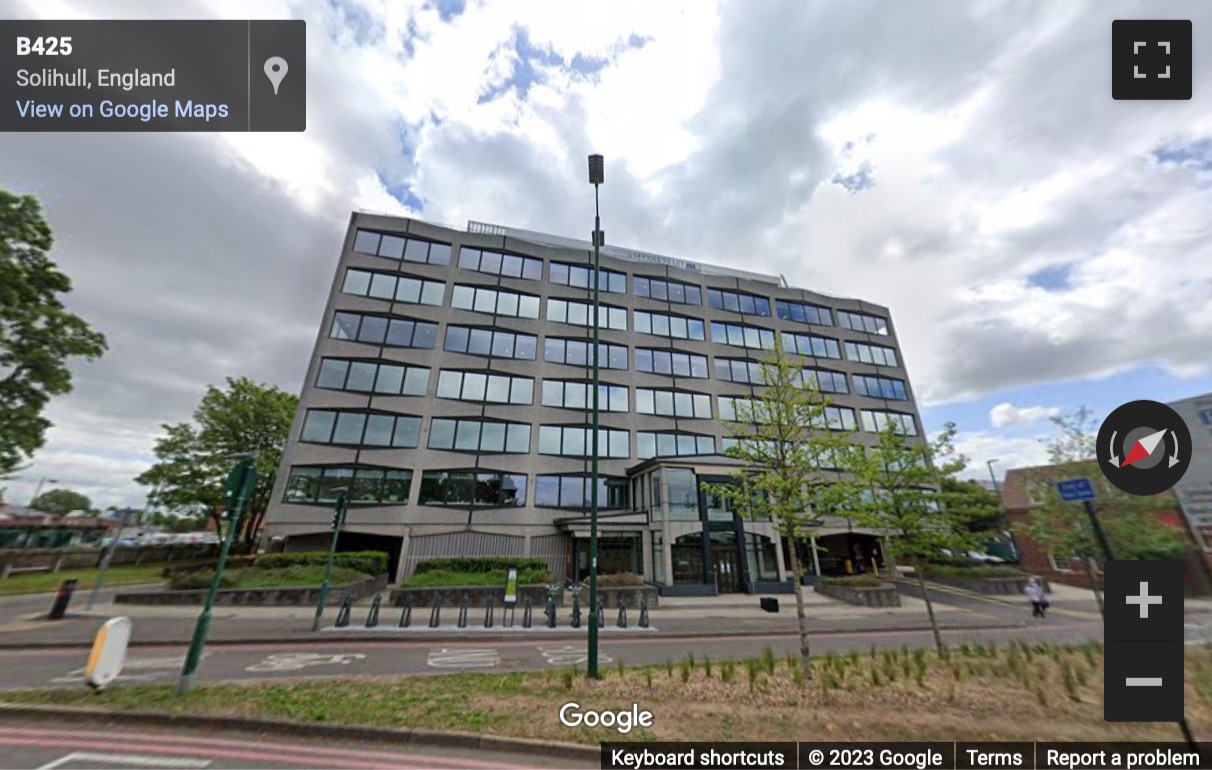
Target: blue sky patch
(358,21)
(858,181)
(1053,278)
(1196,155)
(447,10)
(530,60)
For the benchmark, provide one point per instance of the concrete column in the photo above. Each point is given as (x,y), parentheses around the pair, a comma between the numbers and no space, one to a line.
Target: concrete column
(816,558)
(646,554)
(403,556)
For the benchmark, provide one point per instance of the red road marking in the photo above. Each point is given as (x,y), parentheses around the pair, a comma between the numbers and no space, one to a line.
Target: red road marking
(182,745)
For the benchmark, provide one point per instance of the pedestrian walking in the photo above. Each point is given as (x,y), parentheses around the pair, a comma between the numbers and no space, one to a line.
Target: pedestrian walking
(1035,594)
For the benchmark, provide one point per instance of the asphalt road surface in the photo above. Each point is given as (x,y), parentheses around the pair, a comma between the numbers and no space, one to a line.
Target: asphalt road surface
(37,745)
(64,667)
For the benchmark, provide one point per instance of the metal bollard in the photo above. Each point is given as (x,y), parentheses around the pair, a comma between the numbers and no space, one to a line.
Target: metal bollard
(488,612)
(643,613)
(550,612)
(463,612)
(435,615)
(372,619)
(343,612)
(576,611)
(601,613)
(62,597)
(406,615)
(622,613)
(526,614)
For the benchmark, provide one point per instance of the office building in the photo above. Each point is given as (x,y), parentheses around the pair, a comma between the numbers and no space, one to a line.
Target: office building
(449,392)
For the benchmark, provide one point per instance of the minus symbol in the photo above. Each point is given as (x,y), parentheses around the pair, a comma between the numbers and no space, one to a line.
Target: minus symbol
(1144,681)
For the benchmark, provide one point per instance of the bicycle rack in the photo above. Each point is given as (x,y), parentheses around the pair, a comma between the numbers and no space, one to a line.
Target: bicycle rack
(372,619)
(601,613)
(488,612)
(576,611)
(622,622)
(343,613)
(406,615)
(550,612)
(643,613)
(526,612)
(463,612)
(435,615)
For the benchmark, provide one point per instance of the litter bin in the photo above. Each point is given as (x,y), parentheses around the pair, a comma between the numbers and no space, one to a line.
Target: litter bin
(770,604)
(62,597)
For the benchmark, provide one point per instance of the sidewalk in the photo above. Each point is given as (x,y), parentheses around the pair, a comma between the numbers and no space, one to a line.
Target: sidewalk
(722,616)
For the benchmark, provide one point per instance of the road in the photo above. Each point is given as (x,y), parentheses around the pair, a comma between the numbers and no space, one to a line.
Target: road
(111,747)
(63,667)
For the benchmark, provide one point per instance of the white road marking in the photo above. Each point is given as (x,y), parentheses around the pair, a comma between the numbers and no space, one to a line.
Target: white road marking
(463,658)
(570,655)
(147,664)
(293,661)
(138,760)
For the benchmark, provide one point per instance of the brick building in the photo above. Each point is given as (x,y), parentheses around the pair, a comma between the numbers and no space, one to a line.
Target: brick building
(1024,489)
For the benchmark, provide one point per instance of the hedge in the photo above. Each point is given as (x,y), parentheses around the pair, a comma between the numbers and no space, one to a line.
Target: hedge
(972,571)
(366,562)
(853,581)
(481,564)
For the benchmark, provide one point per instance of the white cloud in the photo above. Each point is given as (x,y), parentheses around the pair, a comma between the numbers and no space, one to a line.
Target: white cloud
(994,155)
(1006,415)
(1008,452)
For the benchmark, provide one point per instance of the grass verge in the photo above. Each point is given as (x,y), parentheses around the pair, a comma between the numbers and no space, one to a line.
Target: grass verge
(1052,692)
(42,582)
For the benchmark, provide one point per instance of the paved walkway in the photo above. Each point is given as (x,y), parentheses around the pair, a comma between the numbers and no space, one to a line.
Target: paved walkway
(735,614)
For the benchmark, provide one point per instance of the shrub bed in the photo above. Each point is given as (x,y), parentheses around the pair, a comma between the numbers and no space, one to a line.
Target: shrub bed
(854,581)
(366,562)
(972,571)
(619,580)
(480,564)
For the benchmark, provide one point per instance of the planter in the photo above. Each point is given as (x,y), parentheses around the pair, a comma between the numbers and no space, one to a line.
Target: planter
(884,595)
(286,596)
(990,586)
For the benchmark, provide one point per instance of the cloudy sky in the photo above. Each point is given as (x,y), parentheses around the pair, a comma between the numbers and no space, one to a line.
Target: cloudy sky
(1041,245)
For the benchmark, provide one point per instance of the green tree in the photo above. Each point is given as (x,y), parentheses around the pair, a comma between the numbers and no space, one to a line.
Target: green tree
(37,334)
(60,501)
(779,434)
(195,458)
(898,484)
(982,508)
(1074,435)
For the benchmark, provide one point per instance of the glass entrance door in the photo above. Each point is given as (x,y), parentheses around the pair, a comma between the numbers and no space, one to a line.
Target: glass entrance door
(724,566)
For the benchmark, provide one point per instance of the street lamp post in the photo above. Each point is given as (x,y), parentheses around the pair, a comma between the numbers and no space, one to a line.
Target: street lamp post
(109,557)
(338,518)
(597,176)
(38,489)
(240,484)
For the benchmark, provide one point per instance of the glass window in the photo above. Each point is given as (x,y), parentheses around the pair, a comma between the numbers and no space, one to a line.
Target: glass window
(517,439)
(432,293)
(490,262)
(383,286)
(356,282)
(366,242)
(349,428)
(333,481)
(361,376)
(620,443)
(396,486)
(373,330)
(550,439)
(392,247)
(379,428)
(467,436)
(390,379)
(497,390)
(302,485)
(480,342)
(345,326)
(317,426)
(416,381)
(474,386)
(332,373)
(416,251)
(408,432)
(547,491)
(441,433)
(492,437)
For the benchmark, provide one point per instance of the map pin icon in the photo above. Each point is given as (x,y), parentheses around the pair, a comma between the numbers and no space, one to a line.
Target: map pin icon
(275,70)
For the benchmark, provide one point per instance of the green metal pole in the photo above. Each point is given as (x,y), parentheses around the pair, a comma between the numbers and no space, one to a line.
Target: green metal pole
(203,626)
(593,495)
(338,520)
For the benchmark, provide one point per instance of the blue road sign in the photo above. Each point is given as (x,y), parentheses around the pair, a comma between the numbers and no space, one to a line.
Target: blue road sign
(1075,490)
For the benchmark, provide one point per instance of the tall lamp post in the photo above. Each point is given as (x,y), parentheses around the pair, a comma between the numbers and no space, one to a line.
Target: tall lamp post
(597,176)
(239,488)
(38,489)
(338,518)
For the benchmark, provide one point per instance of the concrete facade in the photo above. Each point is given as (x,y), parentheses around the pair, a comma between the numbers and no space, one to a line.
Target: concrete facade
(416,530)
